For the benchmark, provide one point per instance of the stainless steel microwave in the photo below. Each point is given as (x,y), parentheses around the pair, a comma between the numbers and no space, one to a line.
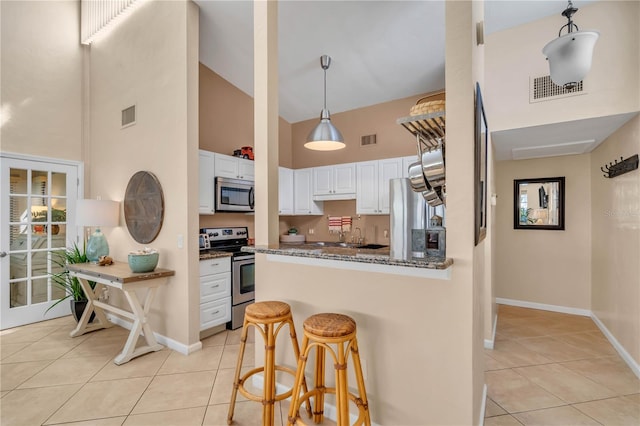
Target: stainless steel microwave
(234,195)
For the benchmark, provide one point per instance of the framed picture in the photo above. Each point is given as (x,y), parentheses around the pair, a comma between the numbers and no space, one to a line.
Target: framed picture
(538,203)
(480,187)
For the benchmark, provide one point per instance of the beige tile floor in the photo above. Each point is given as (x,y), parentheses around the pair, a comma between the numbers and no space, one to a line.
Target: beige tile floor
(546,369)
(549,368)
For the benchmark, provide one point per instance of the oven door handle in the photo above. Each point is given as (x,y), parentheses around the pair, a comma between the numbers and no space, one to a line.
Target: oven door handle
(240,258)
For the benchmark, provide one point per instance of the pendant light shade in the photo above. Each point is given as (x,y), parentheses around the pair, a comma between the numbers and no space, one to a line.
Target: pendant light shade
(325,136)
(570,55)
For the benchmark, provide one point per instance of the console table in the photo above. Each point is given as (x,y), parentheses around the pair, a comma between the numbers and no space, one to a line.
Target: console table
(119,275)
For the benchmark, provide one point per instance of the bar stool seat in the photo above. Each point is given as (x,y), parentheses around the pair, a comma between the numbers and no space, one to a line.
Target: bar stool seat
(268,318)
(321,331)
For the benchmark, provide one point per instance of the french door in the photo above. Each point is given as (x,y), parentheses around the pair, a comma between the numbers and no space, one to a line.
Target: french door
(37,207)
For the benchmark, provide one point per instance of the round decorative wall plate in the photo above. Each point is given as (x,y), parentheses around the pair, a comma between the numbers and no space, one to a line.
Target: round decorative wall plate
(144,207)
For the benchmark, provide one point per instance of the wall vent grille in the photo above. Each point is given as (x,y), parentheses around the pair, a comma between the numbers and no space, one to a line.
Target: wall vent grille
(368,140)
(543,89)
(129,116)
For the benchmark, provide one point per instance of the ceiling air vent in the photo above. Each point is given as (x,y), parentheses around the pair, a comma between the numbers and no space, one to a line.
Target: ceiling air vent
(129,116)
(368,140)
(543,89)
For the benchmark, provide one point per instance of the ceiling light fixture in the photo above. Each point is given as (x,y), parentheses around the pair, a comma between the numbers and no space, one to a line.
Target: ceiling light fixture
(325,136)
(570,55)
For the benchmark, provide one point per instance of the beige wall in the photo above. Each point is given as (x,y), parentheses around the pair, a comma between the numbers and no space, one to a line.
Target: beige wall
(155,69)
(550,267)
(392,139)
(612,85)
(615,229)
(41,79)
(226,118)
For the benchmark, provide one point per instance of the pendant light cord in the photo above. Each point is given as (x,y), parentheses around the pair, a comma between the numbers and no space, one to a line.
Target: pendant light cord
(325,88)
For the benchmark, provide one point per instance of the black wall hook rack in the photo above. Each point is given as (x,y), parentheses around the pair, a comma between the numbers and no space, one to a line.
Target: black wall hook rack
(619,168)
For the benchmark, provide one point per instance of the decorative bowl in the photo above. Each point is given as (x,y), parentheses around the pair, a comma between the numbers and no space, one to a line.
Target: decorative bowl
(143,262)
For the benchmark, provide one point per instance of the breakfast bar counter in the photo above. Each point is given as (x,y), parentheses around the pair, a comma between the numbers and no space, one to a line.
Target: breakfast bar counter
(351,257)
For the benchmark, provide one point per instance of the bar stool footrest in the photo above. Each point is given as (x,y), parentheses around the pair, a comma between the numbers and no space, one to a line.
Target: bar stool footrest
(314,392)
(259,398)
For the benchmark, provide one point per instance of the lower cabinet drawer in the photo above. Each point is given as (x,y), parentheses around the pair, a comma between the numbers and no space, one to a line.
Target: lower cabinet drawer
(215,313)
(213,287)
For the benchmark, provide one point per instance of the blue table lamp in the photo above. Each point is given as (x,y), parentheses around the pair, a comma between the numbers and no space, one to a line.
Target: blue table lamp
(97,213)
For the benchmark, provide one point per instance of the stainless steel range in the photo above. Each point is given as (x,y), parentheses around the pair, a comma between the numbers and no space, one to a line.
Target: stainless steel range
(242,268)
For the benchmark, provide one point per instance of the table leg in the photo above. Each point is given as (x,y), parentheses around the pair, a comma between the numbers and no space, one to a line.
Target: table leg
(140,324)
(83,324)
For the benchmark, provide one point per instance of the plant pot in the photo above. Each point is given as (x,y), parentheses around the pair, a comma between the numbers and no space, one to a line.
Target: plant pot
(78,307)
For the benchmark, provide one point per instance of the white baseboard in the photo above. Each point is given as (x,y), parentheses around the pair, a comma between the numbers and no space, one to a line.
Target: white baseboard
(163,340)
(489,343)
(633,365)
(483,407)
(330,411)
(628,359)
(544,307)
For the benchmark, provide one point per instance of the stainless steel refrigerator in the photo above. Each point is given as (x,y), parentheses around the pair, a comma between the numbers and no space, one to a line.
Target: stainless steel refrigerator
(408,217)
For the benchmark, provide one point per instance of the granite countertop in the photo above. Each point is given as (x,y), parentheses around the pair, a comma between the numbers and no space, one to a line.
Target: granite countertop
(349,254)
(213,254)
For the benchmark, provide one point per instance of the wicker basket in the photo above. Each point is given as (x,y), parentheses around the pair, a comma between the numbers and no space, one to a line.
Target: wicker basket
(424,107)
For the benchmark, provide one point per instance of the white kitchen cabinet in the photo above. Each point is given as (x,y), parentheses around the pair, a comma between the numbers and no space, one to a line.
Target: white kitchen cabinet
(215,292)
(336,182)
(206,164)
(234,167)
(303,203)
(372,196)
(285,191)
(406,162)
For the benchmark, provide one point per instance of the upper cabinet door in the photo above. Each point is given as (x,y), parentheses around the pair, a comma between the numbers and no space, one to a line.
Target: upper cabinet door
(206,162)
(387,169)
(345,178)
(303,194)
(226,166)
(285,191)
(323,180)
(246,169)
(367,187)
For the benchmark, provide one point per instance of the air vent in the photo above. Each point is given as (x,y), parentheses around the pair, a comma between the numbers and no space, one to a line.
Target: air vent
(543,89)
(129,116)
(368,140)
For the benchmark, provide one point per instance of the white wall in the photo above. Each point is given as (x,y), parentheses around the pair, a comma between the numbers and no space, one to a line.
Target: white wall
(615,249)
(40,88)
(543,266)
(151,60)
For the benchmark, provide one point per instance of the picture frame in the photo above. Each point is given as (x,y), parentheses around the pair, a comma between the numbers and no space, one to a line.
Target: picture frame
(538,203)
(480,169)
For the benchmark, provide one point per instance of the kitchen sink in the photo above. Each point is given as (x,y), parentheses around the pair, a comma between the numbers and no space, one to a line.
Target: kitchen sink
(371,246)
(349,245)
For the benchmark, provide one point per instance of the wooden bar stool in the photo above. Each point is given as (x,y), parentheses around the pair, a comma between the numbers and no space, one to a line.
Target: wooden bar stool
(320,331)
(268,318)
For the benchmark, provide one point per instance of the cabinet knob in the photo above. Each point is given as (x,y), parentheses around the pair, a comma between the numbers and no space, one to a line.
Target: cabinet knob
(215,286)
(213,313)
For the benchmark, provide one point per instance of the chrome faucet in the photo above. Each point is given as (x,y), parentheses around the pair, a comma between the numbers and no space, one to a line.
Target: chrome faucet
(360,240)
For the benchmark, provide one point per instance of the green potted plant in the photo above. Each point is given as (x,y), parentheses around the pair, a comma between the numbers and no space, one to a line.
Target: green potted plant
(70,285)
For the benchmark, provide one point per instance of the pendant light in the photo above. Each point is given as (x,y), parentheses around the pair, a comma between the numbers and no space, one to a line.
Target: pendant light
(570,55)
(325,136)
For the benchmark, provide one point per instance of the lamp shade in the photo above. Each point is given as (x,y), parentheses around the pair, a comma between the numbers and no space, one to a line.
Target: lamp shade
(570,56)
(97,213)
(325,136)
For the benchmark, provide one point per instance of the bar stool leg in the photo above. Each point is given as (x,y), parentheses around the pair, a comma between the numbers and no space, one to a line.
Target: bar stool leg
(319,383)
(236,379)
(342,391)
(362,399)
(296,352)
(269,377)
(295,395)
